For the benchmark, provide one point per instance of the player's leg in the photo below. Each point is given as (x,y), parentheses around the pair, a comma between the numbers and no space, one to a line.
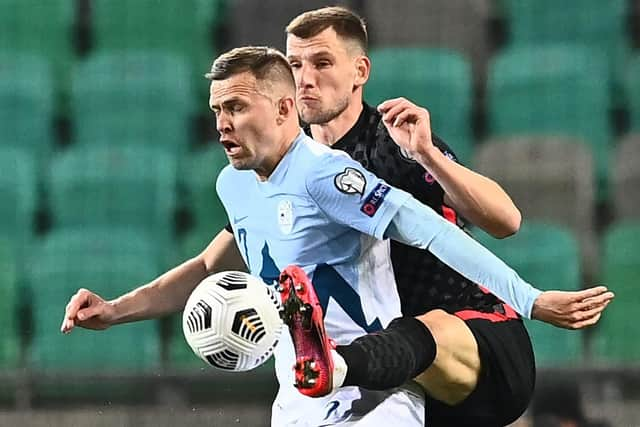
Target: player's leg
(505,383)
(464,365)
(437,348)
(379,361)
(454,373)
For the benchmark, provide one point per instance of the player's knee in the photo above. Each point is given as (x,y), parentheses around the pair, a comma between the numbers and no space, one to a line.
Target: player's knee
(450,332)
(456,368)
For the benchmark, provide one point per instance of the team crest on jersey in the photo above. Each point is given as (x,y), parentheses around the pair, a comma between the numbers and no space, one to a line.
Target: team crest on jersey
(351,181)
(285,216)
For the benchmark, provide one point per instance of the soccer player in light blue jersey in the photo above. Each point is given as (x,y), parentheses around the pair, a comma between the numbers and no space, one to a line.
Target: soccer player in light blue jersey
(293,201)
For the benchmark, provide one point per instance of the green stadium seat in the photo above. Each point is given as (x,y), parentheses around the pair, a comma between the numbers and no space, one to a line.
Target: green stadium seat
(626,178)
(594,23)
(614,341)
(199,171)
(18,192)
(459,25)
(126,186)
(26,103)
(109,261)
(186,28)
(549,179)
(9,303)
(271,17)
(546,256)
(42,28)
(439,80)
(132,97)
(632,90)
(559,90)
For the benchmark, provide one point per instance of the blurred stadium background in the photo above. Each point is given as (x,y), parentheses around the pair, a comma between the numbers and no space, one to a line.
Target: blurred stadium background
(108,164)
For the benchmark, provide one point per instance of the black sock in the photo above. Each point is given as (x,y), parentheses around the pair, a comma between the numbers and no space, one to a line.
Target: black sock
(390,357)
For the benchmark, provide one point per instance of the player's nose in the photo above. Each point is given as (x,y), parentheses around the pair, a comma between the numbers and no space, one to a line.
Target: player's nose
(305,77)
(223,123)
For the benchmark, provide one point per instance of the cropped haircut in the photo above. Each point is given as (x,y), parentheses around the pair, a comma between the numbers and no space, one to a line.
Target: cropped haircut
(344,22)
(266,64)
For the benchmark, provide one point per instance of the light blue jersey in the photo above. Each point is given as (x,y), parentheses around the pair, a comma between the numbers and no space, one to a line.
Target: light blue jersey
(324,212)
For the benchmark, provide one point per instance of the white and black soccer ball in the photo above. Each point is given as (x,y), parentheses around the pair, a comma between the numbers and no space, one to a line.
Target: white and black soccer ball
(232,321)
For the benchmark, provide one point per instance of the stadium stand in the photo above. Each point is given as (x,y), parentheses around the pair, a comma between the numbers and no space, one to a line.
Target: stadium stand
(459,25)
(109,260)
(198,172)
(242,29)
(127,186)
(547,256)
(438,79)
(599,25)
(41,28)
(9,305)
(632,90)
(559,90)
(187,28)
(626,178)
(549,179)
(132,97)
(615,340)
(18,192)
(27,103)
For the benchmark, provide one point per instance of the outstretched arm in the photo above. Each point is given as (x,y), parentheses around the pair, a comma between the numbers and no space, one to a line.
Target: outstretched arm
(166,294)
(417,225)
(478,198)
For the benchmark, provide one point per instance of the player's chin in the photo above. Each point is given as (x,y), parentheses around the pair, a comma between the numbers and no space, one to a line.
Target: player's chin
(240,163)
(311,116)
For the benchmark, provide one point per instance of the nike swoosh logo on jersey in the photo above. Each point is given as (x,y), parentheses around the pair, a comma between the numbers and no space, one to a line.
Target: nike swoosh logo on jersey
(237,220)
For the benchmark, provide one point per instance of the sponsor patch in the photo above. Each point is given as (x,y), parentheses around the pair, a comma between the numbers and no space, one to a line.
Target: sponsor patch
(374,199)
(351,181)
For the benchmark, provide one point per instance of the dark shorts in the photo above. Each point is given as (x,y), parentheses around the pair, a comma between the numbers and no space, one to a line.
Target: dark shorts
(507,380)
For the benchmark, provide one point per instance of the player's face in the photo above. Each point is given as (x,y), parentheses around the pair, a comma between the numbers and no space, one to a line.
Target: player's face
(245,119)
(324,71)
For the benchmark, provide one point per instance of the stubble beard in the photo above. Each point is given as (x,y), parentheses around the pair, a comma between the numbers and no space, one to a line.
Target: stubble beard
(320,117)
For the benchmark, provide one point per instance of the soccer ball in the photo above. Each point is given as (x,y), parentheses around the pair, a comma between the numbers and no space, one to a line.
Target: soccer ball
(232,321)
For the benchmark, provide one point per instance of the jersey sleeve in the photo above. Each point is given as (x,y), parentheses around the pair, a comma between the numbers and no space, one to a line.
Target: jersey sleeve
(417,225)
(350,195)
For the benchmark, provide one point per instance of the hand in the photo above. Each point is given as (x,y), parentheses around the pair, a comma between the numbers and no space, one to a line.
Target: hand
(572,309)
(409,126)
(87,310)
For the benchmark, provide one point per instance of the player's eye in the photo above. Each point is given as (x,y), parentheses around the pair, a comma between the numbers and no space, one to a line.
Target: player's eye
(295,64)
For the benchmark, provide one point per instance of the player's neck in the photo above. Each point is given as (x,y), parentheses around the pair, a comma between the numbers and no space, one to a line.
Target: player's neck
(331,132)
(271,163)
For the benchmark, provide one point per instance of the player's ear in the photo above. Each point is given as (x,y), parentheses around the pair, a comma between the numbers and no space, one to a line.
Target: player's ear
(286,107)
(363,68)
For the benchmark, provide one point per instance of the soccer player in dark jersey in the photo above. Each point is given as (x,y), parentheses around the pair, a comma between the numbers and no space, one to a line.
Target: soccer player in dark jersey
(474,332)
(476,356)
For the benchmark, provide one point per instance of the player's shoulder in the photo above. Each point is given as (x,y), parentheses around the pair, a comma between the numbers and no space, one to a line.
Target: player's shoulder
(230,177)
(315,153)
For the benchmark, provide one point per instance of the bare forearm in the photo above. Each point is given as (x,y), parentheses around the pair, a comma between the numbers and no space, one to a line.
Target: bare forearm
(478,198)
(165,295)
(169,292)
